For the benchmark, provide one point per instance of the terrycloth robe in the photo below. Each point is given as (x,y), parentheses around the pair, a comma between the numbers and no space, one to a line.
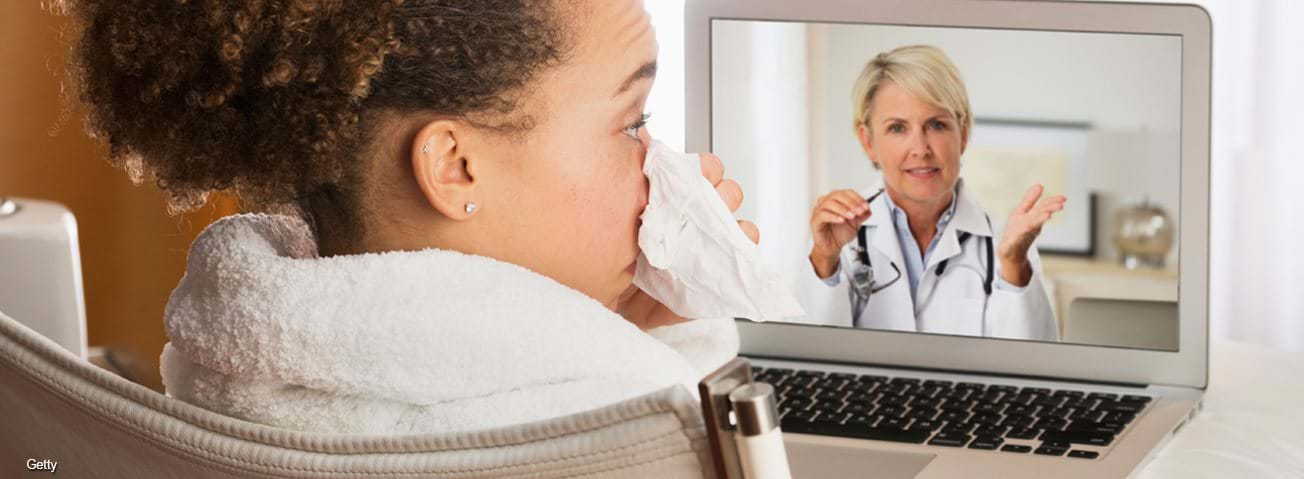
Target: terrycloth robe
(434,340)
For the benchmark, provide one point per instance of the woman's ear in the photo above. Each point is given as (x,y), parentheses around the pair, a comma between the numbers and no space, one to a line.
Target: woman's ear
(444,169)
(867,143)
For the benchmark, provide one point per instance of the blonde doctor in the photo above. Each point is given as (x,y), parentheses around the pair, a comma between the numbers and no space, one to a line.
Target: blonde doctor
(918,254)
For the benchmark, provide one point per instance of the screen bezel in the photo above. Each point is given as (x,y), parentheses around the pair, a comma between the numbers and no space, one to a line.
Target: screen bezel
(1188,366)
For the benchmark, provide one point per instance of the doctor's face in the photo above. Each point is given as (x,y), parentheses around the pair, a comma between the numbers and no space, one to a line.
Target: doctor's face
(575,189)
(916,144)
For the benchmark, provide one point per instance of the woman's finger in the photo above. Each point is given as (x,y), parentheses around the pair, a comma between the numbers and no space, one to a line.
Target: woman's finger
(731,193)
(844,207)
(825,217)
(712,168)
(837,208)
(858,202)
(753,233)
(1029,199)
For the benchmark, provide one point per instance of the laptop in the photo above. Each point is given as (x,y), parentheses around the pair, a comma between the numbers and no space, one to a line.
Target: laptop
(1107,104)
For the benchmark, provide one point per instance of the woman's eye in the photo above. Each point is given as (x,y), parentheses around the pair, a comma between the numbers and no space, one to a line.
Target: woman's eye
(632,129)
(938,125)
(896,128)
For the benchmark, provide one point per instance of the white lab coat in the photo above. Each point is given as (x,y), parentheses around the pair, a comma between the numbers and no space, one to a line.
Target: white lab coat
(951,304)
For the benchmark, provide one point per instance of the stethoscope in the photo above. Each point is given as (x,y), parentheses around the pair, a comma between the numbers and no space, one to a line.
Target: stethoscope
(863,283)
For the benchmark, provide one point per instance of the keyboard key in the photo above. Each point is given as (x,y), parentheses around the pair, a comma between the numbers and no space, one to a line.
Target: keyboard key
(1083,403)
(938,382)
(1095,427)
(1119,417)
(1003,388)
(1039,391)
(802,381)
(957,394)
(858,408)
(1016,448)
(1116,406)
(992,431)
(809,373)
(910,381)
(1079,437)
(957,405)
(1057,444)
(1048,402)
(926,424)
(1018,421)
(1029,433)
(1084,415)
(987,419)
(1022,410)
(926,402)
(922,413)
(949,439)
(959,427)
(953,416)
(1061,413)
(986,442)
(871,378)
(1050,451)
(899,423)
(1084,454)
(831,418)
(827,406)
(806,416)
(1070,394)
(798,402)
(1131,398)
(891,411)
(843,376)
(831,384)
(974,386)
(1104,396)
(1051,423)
(826,395)
(858,388)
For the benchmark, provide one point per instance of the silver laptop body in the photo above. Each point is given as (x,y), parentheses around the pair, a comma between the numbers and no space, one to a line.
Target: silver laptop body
(1174,379)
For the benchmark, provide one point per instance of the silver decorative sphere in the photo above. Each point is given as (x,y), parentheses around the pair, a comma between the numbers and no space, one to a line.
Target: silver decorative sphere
(1143,233)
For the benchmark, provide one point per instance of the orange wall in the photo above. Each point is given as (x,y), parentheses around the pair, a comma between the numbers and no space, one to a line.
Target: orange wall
(133,252)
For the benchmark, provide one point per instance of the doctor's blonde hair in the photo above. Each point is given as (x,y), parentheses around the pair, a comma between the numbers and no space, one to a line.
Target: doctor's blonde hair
(922,70)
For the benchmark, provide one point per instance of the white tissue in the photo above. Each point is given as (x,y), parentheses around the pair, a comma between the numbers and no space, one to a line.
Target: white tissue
(695,259)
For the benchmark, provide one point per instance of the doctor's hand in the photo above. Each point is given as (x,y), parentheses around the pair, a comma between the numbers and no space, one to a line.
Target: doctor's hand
(646,312)
(833,224)
(1021,230)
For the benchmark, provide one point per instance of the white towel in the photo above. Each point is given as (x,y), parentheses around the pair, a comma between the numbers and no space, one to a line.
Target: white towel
(432,340)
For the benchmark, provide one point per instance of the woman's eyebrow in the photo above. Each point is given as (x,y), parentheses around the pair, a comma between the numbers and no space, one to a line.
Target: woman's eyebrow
(647,71)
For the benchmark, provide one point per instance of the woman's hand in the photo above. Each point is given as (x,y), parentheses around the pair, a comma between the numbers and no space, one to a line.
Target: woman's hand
(644,311)
(833,223)
(1021,230)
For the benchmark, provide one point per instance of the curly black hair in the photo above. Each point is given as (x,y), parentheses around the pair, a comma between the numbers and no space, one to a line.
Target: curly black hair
(270,99)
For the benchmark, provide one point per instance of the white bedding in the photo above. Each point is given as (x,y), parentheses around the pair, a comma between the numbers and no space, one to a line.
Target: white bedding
(1252,425)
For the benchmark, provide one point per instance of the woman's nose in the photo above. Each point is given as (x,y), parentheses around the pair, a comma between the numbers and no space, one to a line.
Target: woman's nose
(919,145)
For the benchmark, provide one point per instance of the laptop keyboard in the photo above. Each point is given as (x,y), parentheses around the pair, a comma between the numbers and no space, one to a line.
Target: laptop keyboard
(950,414)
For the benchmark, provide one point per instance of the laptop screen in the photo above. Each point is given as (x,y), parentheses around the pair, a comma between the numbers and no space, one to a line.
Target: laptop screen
(1016,184)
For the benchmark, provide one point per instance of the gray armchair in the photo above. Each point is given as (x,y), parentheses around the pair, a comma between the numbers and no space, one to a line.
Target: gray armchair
(56,406)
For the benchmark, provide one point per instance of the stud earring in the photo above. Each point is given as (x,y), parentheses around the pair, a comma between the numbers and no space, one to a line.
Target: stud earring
(470,207)
(425,149)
